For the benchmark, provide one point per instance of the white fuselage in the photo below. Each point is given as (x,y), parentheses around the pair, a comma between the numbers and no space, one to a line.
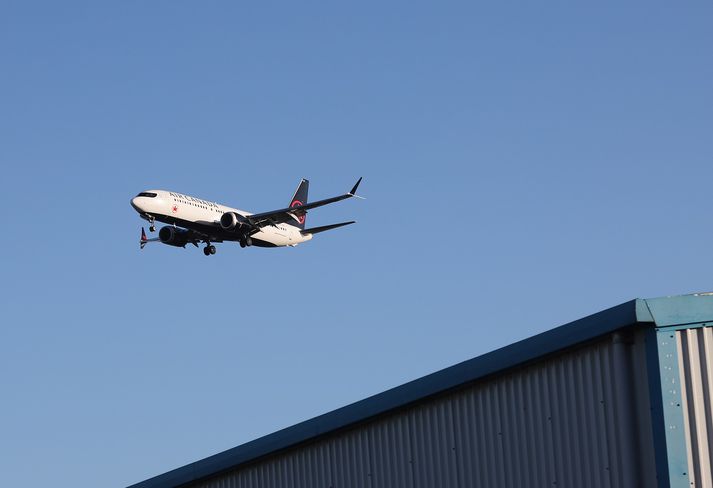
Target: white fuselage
(202,215)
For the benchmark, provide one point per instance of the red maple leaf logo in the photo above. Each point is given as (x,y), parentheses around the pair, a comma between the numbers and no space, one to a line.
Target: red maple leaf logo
(300,218)
(175,208)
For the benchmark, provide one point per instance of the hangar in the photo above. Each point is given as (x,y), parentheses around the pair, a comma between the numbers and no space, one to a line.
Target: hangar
(621,398)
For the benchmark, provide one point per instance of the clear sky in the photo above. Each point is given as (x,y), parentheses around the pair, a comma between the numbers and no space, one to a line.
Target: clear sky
(525,164)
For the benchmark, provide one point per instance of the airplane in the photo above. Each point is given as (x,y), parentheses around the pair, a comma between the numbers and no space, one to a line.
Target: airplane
(193,220)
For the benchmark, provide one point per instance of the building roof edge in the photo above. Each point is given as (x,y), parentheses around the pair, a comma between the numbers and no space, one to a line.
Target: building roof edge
(661,311)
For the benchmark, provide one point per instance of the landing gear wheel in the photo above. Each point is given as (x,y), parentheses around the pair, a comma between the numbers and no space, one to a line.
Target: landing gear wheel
(211,250)
(152,228)
(206,251)
(242,242)
(248,241)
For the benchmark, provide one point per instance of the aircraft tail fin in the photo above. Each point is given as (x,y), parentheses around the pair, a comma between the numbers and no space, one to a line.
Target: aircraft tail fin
(298,199)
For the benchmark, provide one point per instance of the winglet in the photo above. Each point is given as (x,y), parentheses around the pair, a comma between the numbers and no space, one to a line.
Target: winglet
(353,190)
(143,240)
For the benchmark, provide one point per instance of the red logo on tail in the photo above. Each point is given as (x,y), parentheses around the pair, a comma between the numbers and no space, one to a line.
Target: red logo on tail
(300,218)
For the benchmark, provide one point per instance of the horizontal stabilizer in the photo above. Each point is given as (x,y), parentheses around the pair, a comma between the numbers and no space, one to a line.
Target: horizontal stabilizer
(317,230)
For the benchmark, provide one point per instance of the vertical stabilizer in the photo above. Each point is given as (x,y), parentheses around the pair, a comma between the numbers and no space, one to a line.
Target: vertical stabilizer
(300,198)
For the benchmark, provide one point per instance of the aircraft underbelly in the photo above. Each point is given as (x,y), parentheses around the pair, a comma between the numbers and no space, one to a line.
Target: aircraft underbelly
(275,238)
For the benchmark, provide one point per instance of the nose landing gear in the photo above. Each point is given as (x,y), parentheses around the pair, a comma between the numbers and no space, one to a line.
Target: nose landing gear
(152,227)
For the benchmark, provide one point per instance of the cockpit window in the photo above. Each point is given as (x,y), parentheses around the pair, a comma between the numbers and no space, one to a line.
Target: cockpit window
(146,194)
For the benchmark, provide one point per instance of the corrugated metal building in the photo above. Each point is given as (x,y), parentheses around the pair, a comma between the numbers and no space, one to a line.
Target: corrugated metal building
(621,398)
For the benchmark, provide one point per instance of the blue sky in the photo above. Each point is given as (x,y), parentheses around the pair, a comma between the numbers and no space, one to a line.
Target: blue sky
(525,164)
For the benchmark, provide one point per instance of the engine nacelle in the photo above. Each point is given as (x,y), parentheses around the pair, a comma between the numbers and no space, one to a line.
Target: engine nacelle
(231,221)
(172,236)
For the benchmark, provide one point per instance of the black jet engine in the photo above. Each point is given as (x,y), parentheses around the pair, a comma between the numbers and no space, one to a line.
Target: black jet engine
(232,221)
(173,236)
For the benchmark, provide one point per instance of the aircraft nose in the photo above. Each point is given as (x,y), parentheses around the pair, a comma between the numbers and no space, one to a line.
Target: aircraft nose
(135,204)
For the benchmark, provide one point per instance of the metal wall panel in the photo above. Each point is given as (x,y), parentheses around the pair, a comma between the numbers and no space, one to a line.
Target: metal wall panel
(351,459)
(695,356)
(391,453)
(580,418)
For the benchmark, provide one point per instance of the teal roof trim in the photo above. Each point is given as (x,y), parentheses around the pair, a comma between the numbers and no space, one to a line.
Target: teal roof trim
(681,310)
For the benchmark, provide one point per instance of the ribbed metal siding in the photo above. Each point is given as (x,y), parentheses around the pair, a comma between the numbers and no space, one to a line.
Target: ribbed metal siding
(577,419)
(695,356)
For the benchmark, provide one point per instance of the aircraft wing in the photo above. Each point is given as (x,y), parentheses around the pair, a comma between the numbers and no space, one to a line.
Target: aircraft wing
(294,213)
(144,240)
(192,237)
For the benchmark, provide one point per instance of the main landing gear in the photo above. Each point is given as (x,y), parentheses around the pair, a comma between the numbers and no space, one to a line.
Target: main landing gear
(246,241)
(209,249)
